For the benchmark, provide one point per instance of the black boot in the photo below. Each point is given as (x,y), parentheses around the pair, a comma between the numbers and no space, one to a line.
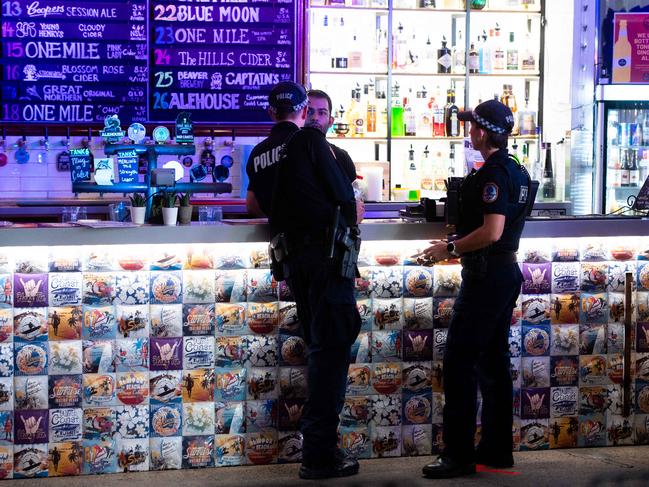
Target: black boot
(446,468)
(341,467)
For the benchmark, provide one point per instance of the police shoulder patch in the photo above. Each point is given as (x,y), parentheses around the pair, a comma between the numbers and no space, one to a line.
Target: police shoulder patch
(490,192)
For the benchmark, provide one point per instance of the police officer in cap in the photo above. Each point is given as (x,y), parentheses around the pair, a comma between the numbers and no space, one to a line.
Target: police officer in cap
(493,206)
(314,201)
(287,107)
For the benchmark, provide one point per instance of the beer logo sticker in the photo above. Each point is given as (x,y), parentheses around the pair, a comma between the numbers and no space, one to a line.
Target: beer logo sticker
(132,354)
(31,392)
(65,424)
(355,442)
(386,378)
(534,434)
(418,282)
(356,411)
(229,418)
(386,410)
(166,453)
(166,421)
(292,382)
(262,317)
(198,451)
(388,314)
(262,351)
(166,354)
(166,287)
(132,288)
(592,369)
(198,352)
(417,409)
(198,286)
(198,385)
(6,460)
(231,384)
(261,448)
(31,427)
(161,134)
(65,288)
(98,389)
(133,455)
(166,320)
(564,371)
(6,360)
(132,422)
(198,418)
(387,283)
(31,359)
(30,461)
(99,322)
(98,289)
(165,387)
(99,457)
(65,357)
(30,324)
(386,441)
(566,277)
(230,318)
(64,391)
(536,310)
(418,345)
(386,345)
(6,394)
(229,449)
(417,377)
(198,319)
(564,401)
(6,290)
(64,323)
(133,321)
(30,290)
(537,278)
(293,350)
(536,340)
(132,388)
(535,371)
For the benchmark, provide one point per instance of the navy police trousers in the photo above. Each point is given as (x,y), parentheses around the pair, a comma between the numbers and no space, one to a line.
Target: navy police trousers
(330,320)
(477,353)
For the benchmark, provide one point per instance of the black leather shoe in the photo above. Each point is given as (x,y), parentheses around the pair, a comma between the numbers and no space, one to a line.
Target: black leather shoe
(342,467)
(495,461)
(446,468)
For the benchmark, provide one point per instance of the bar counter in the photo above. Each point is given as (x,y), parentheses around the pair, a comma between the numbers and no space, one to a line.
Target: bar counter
(566,227)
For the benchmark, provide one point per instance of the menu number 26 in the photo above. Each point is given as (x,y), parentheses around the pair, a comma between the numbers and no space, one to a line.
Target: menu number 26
(11,9)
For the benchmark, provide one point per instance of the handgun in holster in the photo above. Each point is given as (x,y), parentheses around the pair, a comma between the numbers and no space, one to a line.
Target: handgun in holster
(344,247)
(278,252)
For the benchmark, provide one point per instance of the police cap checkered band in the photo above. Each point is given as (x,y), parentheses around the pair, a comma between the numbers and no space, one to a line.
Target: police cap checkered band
(288,96)
(492,116)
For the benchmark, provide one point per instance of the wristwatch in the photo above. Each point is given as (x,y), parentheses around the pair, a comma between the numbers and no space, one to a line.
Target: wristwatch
(450,248)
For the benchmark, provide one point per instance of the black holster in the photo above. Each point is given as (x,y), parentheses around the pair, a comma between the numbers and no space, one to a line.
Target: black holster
(474,265)
(348,242)
(278,253)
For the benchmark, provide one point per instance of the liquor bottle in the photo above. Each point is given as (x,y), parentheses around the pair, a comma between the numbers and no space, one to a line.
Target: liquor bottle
(444,58)
(549,190)
(512,54)
(413,182)
(437,109)
(355,114)
(424,114)
(429,56)
(525,159)
(381,51)
(634,170)
(340,59)
(528,63)
(426,171)
(371,108)
(474,60)
(458,55)
(622,56)
(625,177)
(509,100)
(485,52)
(400,49)
(451,122)
(439,174)
(527,117)
(355,53)
(498,51)
(398,128)
(409,116)
(324,51)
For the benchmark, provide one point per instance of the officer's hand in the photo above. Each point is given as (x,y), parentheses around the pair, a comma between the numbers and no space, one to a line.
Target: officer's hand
(434,253)
(360,211)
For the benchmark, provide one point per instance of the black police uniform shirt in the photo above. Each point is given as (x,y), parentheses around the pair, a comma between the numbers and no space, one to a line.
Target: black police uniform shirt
(498,187)
(345,162)
(311,184)
(262,163)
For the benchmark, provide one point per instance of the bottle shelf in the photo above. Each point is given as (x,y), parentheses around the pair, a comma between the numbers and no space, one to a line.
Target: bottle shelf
(350,8)
(531,75)
(350,72)
(418,137)
(366,138)
(462,11)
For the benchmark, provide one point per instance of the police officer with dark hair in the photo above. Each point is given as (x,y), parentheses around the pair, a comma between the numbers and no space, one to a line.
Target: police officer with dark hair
(319,117)
(493,204)
(312,206)
(287,107)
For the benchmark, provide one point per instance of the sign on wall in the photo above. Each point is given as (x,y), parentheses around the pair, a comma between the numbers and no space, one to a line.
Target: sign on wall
(631,48)
(70,62)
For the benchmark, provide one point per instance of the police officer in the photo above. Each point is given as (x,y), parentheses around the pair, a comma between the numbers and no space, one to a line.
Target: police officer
(287,107)
(319,117)
(492,214)
(312,193)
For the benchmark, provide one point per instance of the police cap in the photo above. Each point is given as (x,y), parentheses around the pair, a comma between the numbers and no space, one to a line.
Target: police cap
(492,115)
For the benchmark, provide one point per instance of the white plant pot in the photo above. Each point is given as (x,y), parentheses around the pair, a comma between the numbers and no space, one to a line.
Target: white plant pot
(170,216)
(137,214)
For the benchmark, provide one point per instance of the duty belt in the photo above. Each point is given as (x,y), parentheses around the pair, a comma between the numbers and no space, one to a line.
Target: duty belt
(501,258)
(308,239)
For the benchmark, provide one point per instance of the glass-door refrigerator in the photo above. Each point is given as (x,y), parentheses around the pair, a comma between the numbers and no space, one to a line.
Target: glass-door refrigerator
(623,147)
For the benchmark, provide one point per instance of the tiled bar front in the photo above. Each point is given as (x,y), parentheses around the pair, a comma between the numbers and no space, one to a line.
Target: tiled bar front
(159,348)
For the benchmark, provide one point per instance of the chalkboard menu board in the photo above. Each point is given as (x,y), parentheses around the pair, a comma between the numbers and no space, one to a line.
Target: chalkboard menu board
(65,61)
(74,61)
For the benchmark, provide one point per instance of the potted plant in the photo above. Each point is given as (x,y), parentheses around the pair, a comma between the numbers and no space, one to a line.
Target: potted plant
(138,208)
(169,208)
(185,210)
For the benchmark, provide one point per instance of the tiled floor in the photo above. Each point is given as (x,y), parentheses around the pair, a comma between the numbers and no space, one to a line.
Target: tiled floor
(622,466)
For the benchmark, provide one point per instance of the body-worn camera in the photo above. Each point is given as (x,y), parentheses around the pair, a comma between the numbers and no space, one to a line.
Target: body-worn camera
(349,241)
